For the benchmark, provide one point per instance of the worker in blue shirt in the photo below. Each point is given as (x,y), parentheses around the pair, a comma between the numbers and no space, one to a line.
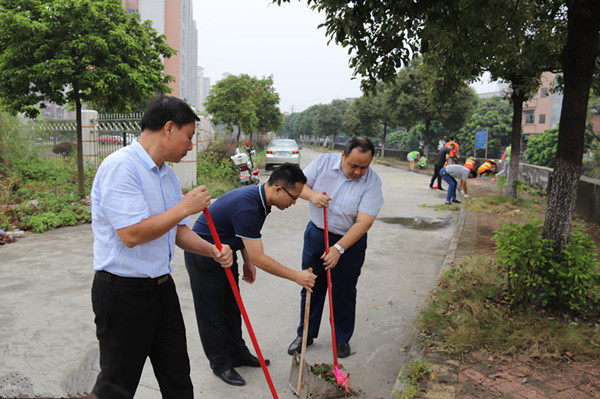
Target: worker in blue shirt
(138,217)
(353,200)
(238,217)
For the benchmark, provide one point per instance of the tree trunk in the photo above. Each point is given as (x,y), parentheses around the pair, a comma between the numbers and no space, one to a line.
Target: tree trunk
(517,98)
(383,141)
(577,59)
(79,129)
(237,139)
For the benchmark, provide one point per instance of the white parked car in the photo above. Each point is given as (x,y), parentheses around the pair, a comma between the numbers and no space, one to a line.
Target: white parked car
(281,151)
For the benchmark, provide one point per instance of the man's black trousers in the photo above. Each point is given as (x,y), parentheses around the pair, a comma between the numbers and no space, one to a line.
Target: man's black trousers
(136,319)
(217,313)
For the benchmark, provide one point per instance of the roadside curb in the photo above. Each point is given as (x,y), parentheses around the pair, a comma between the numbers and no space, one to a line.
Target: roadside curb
(415,352)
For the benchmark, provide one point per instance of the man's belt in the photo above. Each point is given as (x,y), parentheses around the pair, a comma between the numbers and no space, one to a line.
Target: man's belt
(131,281)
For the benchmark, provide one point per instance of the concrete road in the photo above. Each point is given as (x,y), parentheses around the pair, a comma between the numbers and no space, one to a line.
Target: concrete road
(47,334)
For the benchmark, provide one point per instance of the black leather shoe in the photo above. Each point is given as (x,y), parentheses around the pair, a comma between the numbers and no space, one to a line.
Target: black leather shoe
(343,350)
(251,361)
(232,377)
(296,345)
(441,189)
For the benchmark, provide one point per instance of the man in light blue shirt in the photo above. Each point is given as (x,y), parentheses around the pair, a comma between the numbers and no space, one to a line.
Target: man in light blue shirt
(138,216)
(353,199)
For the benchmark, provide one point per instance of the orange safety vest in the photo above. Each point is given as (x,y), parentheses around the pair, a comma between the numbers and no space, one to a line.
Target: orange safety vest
(455,150)
(486,166)
(469,164)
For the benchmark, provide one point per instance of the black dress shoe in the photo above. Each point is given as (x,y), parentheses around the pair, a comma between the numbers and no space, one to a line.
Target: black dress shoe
(232,377)
(296,345)
(343,350)
(250,360)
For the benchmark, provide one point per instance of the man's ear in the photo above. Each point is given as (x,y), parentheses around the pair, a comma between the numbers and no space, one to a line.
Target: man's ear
(168,127)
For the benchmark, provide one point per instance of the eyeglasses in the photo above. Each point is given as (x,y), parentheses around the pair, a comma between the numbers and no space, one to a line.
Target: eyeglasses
(294,197)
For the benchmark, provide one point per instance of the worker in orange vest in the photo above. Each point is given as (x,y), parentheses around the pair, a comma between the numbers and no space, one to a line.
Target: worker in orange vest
(469,164)
(453,156)
(488,167)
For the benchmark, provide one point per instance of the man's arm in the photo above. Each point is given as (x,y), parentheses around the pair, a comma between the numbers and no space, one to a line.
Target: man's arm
(363,223)
(188,240)
(463,185)
(319,199)
(261,260)
(155,226)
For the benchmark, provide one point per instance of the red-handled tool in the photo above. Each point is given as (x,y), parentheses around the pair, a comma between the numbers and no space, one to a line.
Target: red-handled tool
(340,377)
(238,298)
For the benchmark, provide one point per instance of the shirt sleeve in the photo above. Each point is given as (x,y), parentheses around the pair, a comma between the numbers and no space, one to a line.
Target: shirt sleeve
(122,198)
(247,224)
(312,170)
(372,200)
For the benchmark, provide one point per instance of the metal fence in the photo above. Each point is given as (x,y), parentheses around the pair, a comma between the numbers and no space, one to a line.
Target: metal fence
(117,130)
(56,139)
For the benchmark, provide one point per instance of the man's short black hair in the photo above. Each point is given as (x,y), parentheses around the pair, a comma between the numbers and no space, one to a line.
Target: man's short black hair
(473,172)
(162,109)
(287,175)
(362,143)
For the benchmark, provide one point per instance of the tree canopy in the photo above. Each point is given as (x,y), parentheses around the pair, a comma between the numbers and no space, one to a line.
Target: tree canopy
(416,96)
(75,51)
(247,102)
(491,114)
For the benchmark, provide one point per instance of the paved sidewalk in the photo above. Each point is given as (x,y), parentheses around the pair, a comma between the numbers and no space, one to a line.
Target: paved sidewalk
(47,334)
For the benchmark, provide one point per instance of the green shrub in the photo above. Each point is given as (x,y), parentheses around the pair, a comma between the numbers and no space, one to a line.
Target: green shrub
(40,194)
(568,283)
(215,168)
(12,143)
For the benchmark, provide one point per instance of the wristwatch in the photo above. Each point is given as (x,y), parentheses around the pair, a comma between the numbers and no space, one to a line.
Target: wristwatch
(339,248)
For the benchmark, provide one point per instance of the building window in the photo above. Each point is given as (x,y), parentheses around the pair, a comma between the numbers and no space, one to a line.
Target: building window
(542,118)
(544,92)
(530,116)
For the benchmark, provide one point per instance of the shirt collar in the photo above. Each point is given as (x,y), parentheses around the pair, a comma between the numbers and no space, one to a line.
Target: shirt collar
(143,155)
(263,198)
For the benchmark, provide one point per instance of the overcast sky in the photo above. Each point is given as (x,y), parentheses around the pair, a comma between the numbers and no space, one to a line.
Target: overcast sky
(261,39)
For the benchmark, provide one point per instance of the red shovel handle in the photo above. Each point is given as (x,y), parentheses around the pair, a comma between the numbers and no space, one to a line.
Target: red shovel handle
(238,299)
(329,289)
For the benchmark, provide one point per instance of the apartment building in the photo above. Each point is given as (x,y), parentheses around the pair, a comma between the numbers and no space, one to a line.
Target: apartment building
(203,89)
(174,18)
(542,111)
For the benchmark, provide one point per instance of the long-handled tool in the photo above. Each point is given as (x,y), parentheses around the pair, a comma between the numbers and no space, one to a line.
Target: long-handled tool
(304,337)
(340,377)
(238,299)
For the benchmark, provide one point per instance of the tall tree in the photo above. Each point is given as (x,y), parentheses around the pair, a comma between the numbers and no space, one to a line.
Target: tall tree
(77,51)
(369,114)
(244,101)
(269,115)
(526,34)
(329,118)
(416,96)
(578,59)
(491,114)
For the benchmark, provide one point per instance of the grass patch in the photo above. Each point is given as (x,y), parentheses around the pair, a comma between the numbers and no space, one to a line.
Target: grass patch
(467,312)
(413,375)
(39,194)
(504,205)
